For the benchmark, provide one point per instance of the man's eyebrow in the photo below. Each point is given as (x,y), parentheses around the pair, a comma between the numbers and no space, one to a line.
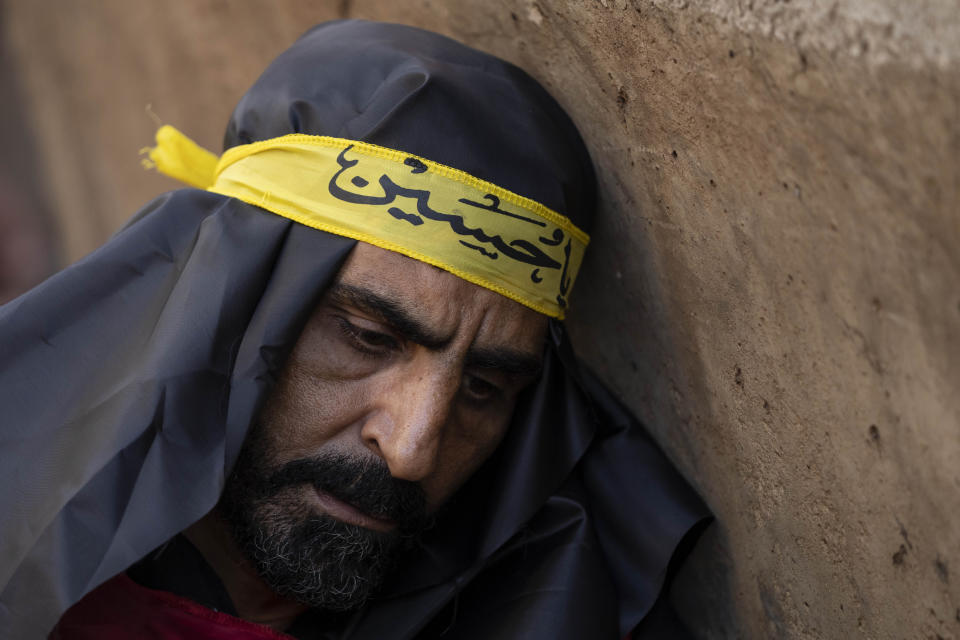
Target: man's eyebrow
(389,311)
(400,320)
(504,359)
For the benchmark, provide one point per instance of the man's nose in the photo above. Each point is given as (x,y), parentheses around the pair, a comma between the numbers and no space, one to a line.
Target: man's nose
(406,426)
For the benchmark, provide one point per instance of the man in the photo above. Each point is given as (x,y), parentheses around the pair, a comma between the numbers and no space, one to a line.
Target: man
(361,321)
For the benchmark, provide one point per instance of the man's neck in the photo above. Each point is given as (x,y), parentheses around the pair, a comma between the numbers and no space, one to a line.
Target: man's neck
(251,597)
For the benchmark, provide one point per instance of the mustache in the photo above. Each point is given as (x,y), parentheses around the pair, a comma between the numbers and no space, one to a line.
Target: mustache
(364,482)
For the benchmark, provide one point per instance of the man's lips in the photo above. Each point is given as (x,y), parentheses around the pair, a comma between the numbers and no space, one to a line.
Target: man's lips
(348,513)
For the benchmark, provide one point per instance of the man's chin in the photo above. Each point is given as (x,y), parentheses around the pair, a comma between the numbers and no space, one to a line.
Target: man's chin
(320,561)
(305,525)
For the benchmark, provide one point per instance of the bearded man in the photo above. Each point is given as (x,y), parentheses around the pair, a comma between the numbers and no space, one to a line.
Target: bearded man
(327,393)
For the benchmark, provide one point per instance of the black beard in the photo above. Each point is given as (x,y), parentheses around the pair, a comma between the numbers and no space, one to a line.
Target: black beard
(308,556)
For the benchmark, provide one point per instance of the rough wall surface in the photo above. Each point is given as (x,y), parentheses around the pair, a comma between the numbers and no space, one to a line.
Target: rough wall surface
(775,281)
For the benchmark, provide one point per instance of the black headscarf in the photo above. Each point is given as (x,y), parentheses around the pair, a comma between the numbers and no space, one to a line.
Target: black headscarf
(128,381)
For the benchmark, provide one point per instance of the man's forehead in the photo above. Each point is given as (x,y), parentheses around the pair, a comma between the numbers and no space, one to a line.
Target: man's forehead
(440,301)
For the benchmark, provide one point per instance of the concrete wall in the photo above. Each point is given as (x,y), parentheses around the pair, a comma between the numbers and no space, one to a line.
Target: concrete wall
(775,280)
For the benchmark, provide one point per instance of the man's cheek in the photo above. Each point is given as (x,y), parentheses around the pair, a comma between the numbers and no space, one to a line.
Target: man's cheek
(331,360)
(475,432)
(304,414)
(460,460)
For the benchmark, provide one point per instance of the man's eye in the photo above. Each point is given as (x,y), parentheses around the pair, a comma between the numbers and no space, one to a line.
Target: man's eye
(479,389)
(367,341)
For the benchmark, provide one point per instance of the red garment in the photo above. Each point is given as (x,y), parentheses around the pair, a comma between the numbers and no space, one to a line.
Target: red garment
(121,609)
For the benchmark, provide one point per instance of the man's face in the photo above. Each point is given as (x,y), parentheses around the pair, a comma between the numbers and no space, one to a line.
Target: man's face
(402,383)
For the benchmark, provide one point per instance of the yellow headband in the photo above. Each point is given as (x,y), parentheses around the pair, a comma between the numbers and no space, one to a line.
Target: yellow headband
(486,235)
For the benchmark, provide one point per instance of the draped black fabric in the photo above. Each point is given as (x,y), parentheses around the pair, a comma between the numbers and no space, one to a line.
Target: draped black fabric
(128,381)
